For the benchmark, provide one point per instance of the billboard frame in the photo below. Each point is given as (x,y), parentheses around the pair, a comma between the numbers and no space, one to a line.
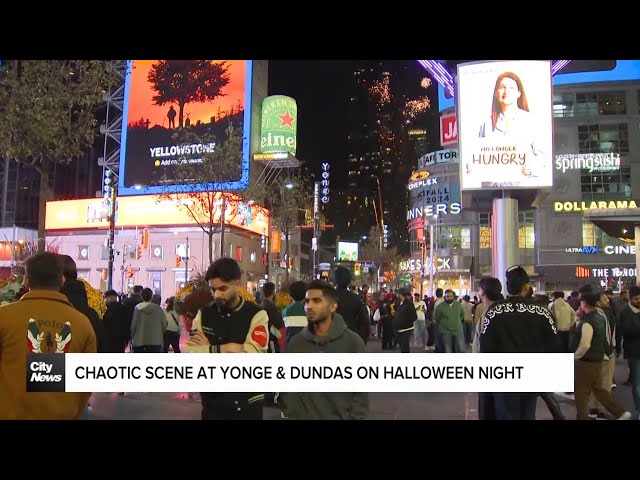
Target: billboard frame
(457,113)
(201,187)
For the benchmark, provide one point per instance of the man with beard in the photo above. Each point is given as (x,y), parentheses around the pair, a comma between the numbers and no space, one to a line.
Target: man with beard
(449,317)
(326,332)
(229,325)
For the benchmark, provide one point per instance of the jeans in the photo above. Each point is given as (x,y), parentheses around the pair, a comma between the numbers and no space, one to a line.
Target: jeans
(453,342)
(419,333)
(515,406)
(468,332)
(171,339)
(634,367)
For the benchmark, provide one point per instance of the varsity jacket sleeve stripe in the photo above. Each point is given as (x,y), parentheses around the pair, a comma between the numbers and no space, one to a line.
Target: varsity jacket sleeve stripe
(257,340)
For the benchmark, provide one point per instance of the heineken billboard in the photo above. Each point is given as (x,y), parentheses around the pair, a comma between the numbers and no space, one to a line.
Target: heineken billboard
(279,124)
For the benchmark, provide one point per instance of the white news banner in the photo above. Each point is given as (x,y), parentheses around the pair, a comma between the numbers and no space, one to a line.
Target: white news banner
(333,372)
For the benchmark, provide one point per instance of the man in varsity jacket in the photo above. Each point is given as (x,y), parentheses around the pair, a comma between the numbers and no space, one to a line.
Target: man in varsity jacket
(229,325)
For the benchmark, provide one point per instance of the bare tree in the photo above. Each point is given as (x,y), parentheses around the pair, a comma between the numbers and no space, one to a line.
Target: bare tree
(374,250)
(287,199)
(210,209)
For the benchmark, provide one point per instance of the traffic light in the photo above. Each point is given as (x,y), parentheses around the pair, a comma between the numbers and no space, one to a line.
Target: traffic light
(145,239)
(138,252)
(178,260)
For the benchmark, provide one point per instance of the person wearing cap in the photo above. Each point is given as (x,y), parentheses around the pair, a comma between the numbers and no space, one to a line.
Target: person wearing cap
(404,319)
(517,325)
(592,343)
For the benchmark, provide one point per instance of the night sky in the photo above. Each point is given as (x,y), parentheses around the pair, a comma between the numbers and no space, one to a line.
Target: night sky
(320,88)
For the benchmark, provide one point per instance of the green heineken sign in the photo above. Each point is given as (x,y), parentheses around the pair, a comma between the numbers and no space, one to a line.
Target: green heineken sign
(279,124)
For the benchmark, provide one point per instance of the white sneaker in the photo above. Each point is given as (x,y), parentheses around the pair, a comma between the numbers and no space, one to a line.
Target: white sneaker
(626,416)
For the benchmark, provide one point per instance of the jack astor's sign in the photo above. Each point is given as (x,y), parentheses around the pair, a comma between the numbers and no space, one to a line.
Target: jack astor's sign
(601,205)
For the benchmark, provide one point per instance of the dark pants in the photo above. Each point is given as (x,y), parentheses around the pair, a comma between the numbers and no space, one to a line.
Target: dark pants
(565,339)
(404,340)
(553,405)
(431,334)
(227,412)
(486,406)
(116,345)
(171,339)
(515,406)
(387,334)
(634,373)
(148,349)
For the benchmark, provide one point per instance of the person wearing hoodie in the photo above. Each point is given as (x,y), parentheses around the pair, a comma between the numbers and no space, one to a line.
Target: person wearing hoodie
(148,325)
(75,292)
(326,332)
(565,317)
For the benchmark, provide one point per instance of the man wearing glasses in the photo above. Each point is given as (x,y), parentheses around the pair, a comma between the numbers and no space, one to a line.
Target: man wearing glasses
(517,325)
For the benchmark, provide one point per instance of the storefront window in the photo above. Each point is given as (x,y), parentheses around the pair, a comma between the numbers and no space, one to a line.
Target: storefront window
(455,237)
(526,230)
(592,236)
(485,230)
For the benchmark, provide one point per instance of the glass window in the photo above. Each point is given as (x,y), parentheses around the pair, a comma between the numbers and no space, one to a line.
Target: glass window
(613,185)
(155,280)
(526,230)
(485,230)
(586,104)
(563,105)
(104,253)
(612,103)
(604,138)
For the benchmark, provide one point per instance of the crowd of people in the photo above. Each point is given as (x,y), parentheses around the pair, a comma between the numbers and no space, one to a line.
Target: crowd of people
(54,315)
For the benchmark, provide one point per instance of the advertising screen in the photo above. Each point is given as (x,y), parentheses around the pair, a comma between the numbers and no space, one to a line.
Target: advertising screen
(279,124)
(505,124)
(175,111)
(347,251)
(149,210)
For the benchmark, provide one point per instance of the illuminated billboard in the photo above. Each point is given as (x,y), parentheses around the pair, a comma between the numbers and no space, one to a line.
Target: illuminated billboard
(167,99)
(600,72)
(347,252)
(279,124)
(150,211)
(505,124)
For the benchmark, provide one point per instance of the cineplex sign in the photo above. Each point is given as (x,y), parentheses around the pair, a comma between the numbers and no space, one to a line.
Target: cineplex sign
(601,205)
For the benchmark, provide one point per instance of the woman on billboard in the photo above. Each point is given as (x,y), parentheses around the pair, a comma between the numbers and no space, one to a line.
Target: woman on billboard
(510,116)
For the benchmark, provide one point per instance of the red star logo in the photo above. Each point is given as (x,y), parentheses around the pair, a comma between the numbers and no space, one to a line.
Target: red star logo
(286,119)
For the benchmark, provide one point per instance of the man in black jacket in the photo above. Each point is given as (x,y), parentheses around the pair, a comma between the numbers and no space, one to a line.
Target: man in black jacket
(275,316)
(77,296)
(517,325)
(350,305)
(116,323)
(630,323)
(403,321)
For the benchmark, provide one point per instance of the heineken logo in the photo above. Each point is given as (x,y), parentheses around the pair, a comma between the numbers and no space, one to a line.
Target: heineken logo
(279,125)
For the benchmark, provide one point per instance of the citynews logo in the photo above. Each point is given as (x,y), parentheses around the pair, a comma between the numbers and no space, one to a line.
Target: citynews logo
(45,372)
